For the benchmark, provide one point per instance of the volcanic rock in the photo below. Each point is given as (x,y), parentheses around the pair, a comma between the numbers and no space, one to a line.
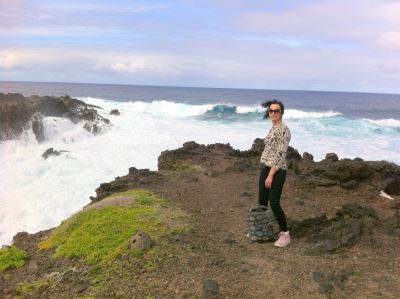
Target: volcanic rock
(115,112)
(18,113)
(141,241)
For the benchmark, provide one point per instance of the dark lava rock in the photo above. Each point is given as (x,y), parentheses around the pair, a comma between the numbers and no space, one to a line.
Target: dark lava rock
(37,126)
(331,157)
(392,185)
(308,226)
(115,112)
(292,154)
(308,157)
(51,152)
(210,289)
(135,178)
(258,146)
(350,184)
(18,113)
(345,229)
(349,174)
(14,115)
(190,153)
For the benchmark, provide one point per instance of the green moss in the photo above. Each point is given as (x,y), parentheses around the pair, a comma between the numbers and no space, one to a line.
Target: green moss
(12,258)
(28,288)
(101,235)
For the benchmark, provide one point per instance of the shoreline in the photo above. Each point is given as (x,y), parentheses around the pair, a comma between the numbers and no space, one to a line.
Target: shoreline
(214,186)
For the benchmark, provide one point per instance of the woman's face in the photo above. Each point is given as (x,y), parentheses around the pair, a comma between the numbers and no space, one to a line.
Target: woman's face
(275,113)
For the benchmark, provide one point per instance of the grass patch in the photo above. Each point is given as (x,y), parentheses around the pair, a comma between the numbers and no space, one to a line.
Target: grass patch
(12,258)
(29,288)
(99,236)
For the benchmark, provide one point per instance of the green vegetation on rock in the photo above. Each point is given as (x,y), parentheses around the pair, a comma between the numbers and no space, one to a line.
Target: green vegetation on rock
(101,235)
(29,288)
(12,258)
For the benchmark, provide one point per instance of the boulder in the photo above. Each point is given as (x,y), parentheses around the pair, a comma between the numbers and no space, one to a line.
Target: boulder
(392,185)
(331,157)
(308,157)
(345,229)
(141,241)
(115,112)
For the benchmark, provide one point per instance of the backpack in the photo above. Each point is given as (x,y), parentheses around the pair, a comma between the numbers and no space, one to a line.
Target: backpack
(261,221)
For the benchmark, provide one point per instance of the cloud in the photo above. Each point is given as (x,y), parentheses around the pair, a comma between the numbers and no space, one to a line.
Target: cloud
(257,44)
(389,40)
(74,6)
(345,21)
(7,61)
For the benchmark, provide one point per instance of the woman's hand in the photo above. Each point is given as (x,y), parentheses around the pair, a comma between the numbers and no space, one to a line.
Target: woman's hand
(268,181)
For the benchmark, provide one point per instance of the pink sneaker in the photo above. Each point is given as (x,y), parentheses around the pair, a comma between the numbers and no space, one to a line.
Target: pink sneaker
(284,239)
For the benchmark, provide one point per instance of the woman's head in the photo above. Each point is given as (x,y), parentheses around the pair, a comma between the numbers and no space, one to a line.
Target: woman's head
(274,110)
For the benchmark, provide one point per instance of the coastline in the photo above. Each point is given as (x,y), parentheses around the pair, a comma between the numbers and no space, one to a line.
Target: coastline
(215,185)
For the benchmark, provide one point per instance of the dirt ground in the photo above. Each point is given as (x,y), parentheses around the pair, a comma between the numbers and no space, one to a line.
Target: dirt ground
(219,250)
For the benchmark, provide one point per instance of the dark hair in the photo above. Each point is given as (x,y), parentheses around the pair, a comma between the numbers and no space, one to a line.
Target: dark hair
(269,103)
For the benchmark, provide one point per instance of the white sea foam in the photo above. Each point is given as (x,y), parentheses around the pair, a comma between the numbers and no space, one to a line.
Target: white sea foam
(390,122)
(37,194)
(294,113)
(247,109)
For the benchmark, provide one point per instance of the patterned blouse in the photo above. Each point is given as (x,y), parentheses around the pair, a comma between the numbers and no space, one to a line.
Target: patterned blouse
(276,145)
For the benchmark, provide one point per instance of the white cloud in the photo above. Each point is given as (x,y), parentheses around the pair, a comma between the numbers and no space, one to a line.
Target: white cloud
(74,6)
(389,40)
(7,61)
(345,21)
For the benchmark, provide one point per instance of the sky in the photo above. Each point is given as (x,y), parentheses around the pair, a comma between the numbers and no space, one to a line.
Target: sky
(342,45)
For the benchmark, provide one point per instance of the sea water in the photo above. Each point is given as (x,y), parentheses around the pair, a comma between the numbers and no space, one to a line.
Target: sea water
(37,193)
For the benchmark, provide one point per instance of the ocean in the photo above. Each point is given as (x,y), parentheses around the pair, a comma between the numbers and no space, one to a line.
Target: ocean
(37,194)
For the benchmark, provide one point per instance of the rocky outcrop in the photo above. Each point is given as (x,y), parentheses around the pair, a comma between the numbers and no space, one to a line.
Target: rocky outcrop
(51,152)
(350,174)
(135,178)
(115,112)
(18,113)
(350,223)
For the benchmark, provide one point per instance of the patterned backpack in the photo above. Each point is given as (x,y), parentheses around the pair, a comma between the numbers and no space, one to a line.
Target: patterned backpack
(261,221)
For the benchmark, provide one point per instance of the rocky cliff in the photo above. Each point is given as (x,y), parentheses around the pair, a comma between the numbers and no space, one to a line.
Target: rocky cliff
(19,113)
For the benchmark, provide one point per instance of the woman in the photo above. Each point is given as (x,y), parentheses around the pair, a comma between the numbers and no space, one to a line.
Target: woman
(273,172)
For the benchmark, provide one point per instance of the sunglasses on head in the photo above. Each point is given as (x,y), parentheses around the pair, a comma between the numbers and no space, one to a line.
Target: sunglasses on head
(274,111)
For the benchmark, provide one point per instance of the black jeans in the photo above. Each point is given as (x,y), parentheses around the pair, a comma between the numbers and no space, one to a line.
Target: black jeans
(273,195)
